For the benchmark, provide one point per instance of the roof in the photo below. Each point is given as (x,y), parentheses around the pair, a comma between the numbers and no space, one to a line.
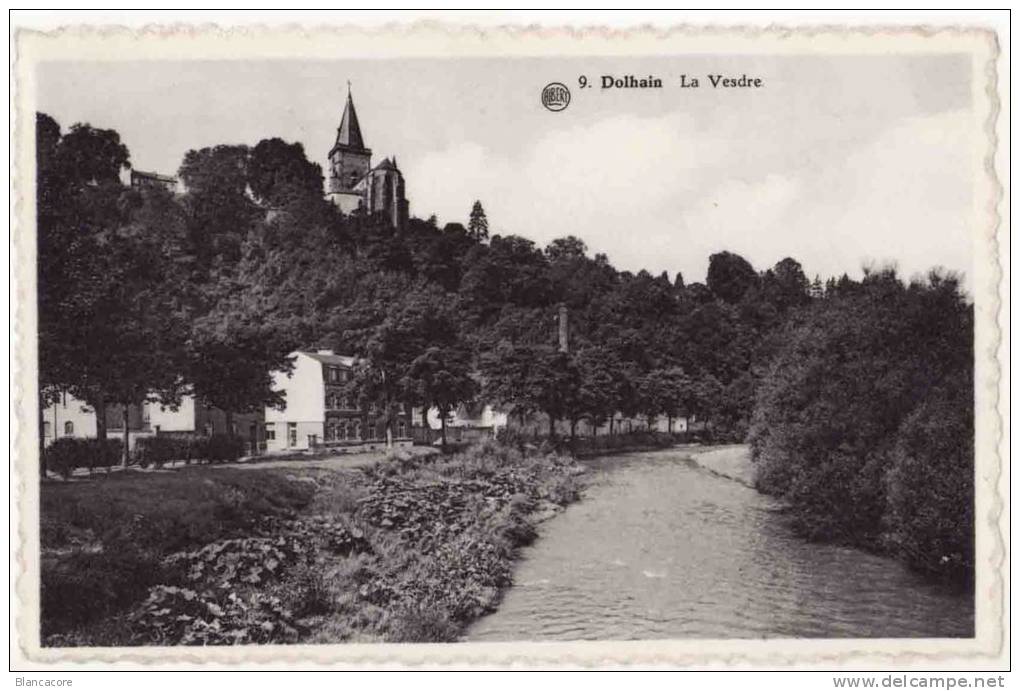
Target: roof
(349,132)
(135,173)
(343,360)
(386,164)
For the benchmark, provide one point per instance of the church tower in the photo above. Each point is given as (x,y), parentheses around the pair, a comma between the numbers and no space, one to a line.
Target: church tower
(349,160)
(354,185)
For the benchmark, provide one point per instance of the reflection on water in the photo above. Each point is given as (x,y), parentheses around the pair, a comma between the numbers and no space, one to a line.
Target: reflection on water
(663,548)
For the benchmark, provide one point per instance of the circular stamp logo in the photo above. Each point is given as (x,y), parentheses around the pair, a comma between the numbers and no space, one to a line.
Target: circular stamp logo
(555,96)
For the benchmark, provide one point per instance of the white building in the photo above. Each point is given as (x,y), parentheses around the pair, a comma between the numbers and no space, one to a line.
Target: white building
(68,417)
(73,418)
(320,410)
(192,417)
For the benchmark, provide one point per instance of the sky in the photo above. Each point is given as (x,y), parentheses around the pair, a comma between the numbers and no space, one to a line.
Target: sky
(837,162)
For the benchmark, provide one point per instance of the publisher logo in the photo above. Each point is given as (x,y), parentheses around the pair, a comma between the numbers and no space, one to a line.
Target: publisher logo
(555,96)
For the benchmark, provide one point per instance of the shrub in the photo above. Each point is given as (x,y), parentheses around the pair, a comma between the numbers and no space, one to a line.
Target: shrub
(159,450)
(217,448)
(88,584)
(854,426)
(418,622)
(65,455)
(931,485)
(173,615)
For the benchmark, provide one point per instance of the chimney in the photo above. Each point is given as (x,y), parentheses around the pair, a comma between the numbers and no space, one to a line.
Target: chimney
(564,347)
(326,351)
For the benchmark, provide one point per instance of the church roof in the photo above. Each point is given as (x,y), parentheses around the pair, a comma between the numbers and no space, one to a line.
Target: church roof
(349,132)
(386,164)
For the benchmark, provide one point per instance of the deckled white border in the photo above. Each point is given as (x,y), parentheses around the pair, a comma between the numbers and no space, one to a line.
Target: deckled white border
(433,39)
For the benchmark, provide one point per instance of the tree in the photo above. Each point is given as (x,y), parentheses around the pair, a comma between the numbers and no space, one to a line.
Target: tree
(817,290)
(478,224)
(220,212)
(231,361)
(524,379)
(89,156)
(600,386)
(785,286)
(405,327)
(509,270)
(279,172)
(730,276)
(441,378)
(847,411)
(109,313)
(673,393)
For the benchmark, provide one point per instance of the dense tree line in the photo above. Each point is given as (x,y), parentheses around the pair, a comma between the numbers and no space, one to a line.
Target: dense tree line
(865,420)
(206,291)
(849,388)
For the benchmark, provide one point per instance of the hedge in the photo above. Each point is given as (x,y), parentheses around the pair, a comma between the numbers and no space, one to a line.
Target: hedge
(160,449)
(65,455)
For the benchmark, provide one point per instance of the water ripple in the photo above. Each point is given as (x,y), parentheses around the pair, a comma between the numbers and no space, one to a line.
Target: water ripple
(663,548)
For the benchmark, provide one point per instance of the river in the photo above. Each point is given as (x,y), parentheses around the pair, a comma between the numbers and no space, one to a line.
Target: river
(676,544)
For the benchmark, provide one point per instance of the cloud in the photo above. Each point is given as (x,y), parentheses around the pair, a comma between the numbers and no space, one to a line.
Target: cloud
(660,193)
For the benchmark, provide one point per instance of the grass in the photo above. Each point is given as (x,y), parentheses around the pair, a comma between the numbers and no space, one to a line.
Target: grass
(409,549)
(104,541)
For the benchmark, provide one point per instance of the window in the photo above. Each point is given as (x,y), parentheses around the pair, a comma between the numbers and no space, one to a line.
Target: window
(270,431)
(357,430)
(292,434)
(68,428)
(342,434)
(401,428)
(46,430)
(330,433)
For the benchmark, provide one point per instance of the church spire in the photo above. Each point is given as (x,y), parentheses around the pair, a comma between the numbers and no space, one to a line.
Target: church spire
(349,133)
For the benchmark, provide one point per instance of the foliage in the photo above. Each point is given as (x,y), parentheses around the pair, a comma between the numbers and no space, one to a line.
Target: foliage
(930,484)
(225,558)
(217,448)
(150,295)
(67,454)
(279,173)
(478,224)
(856,402)
(104,543)
(158,450)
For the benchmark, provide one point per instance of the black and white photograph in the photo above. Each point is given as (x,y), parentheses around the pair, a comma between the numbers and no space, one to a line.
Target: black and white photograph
(616,344)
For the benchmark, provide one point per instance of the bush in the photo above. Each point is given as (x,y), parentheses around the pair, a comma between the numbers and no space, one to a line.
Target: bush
(87,584)
(217,448)
(930,485)
(65,455)
(854,426)
(160,449)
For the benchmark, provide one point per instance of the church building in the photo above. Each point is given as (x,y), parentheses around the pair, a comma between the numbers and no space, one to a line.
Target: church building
(354,185)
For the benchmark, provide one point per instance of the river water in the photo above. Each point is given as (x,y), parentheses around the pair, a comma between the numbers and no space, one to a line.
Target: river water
(663,546)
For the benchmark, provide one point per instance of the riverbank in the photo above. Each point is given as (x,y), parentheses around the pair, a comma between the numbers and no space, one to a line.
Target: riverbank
(408,549)
(732,461)
(676,544)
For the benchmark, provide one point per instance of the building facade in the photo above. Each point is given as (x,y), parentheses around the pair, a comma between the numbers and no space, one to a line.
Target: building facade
(354,185)
(72,418)
(195,418)
(321,411)
(141,179)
